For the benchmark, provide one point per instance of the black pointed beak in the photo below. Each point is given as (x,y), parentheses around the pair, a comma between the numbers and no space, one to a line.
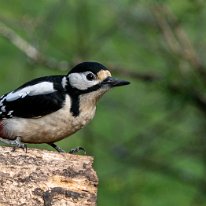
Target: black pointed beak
(113,82)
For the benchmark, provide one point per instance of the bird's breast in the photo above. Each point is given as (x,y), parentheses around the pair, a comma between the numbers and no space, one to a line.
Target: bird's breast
(49,128)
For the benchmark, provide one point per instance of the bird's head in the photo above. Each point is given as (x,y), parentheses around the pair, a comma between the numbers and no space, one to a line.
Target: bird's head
(91,77)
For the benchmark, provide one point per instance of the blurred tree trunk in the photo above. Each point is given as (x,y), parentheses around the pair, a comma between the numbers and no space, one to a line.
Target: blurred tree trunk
(46,178)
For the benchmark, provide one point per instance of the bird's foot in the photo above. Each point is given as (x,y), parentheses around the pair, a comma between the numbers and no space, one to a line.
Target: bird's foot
(76,150)
(72,151)
(15,143)
(56,147)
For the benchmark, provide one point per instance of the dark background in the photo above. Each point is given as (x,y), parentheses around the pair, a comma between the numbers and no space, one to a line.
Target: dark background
(149,138)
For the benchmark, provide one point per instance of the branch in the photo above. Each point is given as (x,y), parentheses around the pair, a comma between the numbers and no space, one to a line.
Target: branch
(143,76)
(195,97)
(49,62)
(46,178)
(30,51)
(176,38)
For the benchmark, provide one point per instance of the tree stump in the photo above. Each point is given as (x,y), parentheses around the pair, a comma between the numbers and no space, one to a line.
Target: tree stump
(46,178)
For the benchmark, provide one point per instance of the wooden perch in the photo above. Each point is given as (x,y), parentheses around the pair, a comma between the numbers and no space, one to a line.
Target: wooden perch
(46,178)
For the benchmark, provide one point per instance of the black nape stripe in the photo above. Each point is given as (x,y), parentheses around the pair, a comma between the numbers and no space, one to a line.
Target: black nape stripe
(75,93)
(75,105)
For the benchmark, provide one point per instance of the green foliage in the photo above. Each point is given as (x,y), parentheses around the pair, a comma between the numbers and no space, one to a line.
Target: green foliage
(148,138)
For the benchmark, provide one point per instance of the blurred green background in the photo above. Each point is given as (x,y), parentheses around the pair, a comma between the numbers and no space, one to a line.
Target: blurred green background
(149,138)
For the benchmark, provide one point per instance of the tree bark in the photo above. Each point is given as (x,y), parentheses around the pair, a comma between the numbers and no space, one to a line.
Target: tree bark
(46,178)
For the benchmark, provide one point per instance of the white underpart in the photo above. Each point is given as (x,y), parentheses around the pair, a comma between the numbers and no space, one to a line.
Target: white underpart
(80,81)
(50,128)
(37,89)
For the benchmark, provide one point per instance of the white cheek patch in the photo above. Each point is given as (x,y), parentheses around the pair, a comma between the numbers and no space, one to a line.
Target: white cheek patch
(37,89)
(79,81)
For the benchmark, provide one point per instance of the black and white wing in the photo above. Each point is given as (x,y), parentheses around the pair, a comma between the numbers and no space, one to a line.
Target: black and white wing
(36,98)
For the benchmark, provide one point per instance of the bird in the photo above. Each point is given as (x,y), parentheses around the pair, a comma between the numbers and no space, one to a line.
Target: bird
(50,108)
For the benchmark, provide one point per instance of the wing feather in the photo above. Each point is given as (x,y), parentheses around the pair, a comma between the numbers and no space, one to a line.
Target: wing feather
(36,98)
(37,89)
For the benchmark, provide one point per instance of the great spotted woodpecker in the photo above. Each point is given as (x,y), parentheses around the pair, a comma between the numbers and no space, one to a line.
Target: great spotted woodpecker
(48,109)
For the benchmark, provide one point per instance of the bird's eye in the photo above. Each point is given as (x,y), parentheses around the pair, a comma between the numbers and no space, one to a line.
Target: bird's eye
(90,76)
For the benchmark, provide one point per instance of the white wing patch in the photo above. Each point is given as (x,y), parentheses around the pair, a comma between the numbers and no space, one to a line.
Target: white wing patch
(36,89)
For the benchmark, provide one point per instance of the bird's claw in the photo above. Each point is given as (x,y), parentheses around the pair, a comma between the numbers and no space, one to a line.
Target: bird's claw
(76,150)
(72,151)
(18,144)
